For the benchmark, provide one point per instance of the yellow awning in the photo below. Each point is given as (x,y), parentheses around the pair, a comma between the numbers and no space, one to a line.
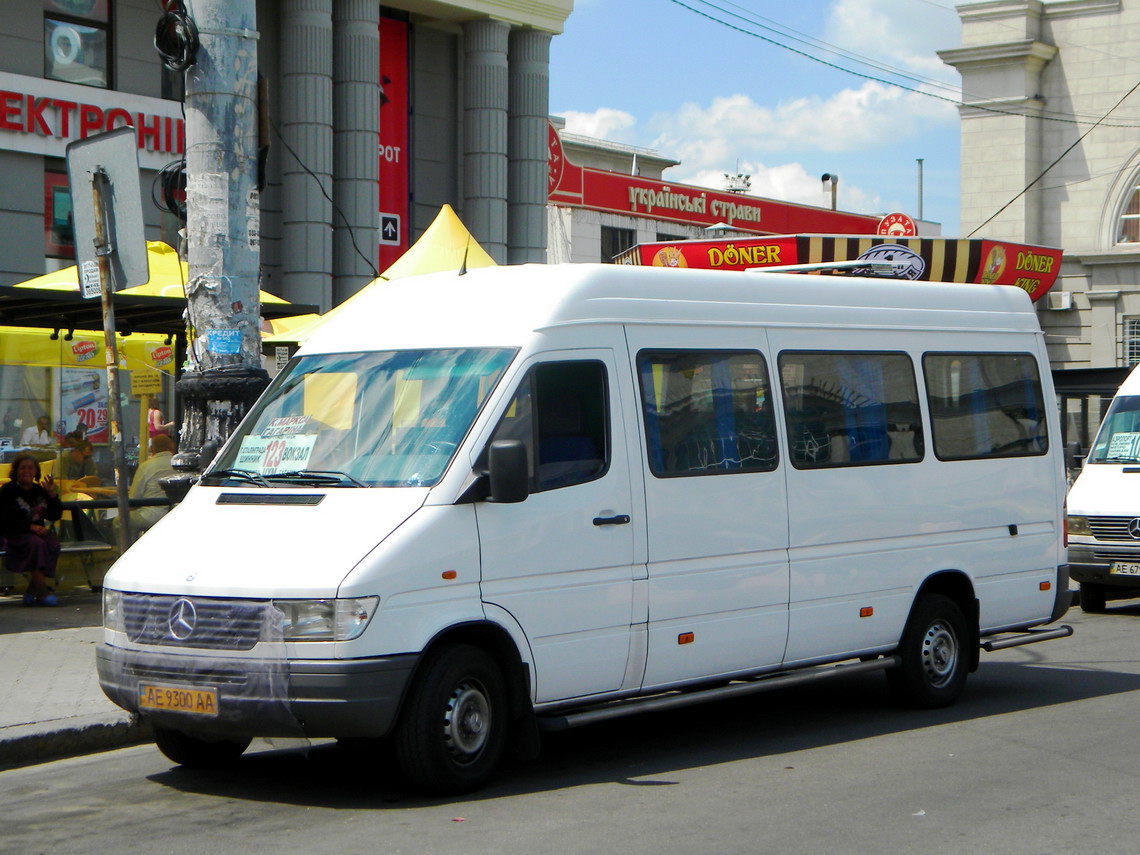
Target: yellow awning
(36,347)
(168,277)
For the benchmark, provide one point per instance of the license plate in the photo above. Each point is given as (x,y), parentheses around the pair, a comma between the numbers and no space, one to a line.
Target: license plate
(1122,569)
(179,699)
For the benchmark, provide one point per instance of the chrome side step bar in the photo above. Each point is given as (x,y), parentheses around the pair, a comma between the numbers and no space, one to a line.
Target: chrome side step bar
(672,700)
(1030,636)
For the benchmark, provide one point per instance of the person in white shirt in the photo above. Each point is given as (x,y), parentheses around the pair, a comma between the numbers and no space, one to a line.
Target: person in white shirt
(38,435)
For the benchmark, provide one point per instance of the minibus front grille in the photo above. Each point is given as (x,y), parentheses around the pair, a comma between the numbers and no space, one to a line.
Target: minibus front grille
(1114,528)
(212,624)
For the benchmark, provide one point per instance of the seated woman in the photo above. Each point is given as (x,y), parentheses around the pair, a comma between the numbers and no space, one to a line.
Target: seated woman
(26,507)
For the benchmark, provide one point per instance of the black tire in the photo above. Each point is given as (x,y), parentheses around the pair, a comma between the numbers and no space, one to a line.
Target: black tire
(1093,597)
(935,655)
(196,752)
(453,727)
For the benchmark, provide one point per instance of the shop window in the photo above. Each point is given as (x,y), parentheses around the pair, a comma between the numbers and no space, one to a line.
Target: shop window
(1128,230)
(77,42)
(59,223)
(1131,341)
(615,241)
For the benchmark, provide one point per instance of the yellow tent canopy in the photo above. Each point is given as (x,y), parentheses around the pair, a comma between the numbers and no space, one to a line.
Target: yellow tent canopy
(168,275)
(445,245)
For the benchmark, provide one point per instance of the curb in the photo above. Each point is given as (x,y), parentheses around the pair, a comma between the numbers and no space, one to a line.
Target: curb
(37,743)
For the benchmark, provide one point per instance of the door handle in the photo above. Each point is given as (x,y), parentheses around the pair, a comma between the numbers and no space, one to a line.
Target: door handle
(620,519)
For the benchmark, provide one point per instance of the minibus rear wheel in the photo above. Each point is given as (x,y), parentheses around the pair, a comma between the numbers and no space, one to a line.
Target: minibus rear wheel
(195,752)
(453,727)
(934,656)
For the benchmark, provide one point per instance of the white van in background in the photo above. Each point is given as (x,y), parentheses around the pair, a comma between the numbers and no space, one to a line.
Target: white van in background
(533,497)
(1104,505)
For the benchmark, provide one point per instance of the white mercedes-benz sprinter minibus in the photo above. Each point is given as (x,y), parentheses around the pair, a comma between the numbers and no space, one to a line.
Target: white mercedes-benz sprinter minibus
(1104,505)
(476,507)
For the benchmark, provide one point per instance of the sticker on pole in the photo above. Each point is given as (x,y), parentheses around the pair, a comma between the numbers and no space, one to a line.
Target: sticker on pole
(89,276)
(223,341)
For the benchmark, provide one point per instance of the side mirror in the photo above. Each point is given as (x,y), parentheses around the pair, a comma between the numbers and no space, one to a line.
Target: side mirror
(507,471)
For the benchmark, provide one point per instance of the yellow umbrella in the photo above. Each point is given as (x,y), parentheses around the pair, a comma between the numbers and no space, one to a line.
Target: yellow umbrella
(168,275)
(445,245)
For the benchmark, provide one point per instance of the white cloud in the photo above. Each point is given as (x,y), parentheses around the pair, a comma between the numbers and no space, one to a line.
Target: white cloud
(788,182)
(901,33)
(604,124)
(734,127)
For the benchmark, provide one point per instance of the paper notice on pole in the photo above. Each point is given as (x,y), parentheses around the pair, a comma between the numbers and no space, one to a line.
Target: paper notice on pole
(223,341)
(89,277)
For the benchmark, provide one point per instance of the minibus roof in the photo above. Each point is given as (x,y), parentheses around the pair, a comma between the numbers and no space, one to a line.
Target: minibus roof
(504,306)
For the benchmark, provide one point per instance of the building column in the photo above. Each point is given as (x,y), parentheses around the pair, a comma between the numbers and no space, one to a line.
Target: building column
(356,135)
(527,118)
(1001,69)
(307,130)
(485,134)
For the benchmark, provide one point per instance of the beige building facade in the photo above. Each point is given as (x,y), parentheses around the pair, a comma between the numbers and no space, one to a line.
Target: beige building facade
(1037,167)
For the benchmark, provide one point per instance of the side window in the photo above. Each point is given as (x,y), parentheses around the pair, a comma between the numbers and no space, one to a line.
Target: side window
(560,414)
(707,412)
(985,405)
(850,409)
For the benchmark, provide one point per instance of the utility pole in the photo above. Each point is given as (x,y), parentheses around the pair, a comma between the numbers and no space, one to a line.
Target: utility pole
(223,232)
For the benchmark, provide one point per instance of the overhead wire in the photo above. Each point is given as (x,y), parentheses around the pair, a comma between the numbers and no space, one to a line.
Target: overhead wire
(325,193)
(958,102)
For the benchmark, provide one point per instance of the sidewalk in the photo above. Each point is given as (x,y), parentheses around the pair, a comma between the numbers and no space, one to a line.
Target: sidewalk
(52,705)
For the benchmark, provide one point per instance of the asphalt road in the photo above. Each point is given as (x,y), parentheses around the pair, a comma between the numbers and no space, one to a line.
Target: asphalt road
(1039,757)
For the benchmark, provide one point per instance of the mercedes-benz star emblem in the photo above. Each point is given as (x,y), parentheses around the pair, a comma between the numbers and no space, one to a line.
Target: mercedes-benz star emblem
(1134,528)
(182,620)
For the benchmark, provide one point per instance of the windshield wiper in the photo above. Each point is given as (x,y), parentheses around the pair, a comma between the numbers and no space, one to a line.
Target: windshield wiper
(317,476)
(239,474)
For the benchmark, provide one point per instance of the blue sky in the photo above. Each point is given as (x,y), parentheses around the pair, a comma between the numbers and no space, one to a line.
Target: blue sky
(663,75)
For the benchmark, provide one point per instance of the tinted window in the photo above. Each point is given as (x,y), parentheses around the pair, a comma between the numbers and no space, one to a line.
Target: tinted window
(707,412)
(559,412)
(847,409)
(985,405)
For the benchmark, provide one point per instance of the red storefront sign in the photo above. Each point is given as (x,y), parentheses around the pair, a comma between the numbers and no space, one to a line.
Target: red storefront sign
(631,195)
(41,116)
(393,150)
(1034,269)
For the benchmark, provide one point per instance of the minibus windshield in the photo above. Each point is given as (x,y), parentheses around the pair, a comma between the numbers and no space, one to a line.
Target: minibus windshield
(1118,440)
(376,419)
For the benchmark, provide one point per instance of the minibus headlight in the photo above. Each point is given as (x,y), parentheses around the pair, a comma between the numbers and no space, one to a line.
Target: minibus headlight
(325,620)
(1079,526)
(113,610)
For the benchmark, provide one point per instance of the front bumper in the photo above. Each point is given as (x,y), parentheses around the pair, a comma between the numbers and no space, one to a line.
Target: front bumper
(1091,563)
(256,697)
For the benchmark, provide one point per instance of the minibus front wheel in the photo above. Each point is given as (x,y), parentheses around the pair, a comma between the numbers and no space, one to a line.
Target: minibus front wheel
(934,655)
(195,752)
(453,727)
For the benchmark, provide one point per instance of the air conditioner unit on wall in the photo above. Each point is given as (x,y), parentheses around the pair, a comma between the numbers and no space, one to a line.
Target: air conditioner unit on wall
(1060,301)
